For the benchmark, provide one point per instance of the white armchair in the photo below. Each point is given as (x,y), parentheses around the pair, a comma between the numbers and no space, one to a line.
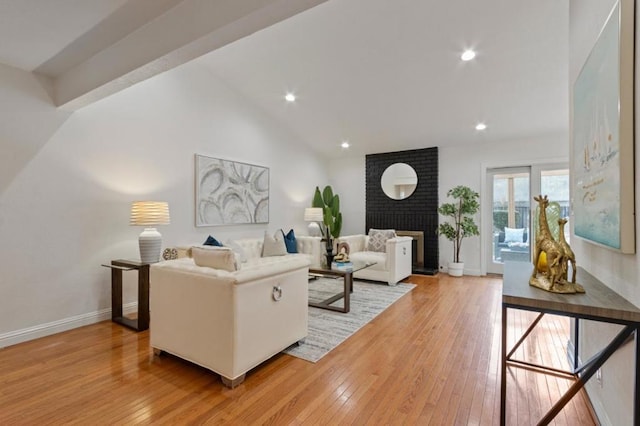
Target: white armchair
(392,265)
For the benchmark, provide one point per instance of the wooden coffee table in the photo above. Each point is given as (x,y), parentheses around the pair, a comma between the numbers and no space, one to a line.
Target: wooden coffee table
(347,276)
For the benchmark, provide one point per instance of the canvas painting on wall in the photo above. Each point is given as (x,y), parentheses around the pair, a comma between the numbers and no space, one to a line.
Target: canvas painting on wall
(602,132)
(230,192)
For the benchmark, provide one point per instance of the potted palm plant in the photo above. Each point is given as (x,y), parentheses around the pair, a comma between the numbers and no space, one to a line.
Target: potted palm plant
(460,222)
(332,217)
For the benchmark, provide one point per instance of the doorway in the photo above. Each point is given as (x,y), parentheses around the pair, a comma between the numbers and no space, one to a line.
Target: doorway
(509,199)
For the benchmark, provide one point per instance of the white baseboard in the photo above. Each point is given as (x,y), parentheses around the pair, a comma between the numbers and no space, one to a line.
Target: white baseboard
(42,330)
(471,272)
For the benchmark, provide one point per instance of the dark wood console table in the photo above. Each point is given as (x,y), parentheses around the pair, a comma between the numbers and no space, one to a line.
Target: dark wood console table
(117,266)
(599,303)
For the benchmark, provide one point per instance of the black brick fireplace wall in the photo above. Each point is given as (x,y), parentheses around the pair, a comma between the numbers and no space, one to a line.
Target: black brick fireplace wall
(419,212)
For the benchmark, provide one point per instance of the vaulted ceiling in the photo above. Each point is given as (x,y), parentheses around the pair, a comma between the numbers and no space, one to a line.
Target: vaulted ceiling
(384,75)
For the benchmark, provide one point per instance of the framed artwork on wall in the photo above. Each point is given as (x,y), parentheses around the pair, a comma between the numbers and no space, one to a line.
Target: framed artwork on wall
(603,137)
(230,192)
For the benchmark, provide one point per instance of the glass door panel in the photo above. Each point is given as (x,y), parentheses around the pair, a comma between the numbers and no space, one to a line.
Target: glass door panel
(554,183)
(510,194)
(511,216)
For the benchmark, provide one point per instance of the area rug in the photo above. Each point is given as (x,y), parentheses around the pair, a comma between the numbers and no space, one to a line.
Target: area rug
(327,329)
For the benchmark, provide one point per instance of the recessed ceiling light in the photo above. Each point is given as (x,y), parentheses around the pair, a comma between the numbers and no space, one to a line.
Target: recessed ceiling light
(345,144)
(468,55)
(481,126)
(290,97)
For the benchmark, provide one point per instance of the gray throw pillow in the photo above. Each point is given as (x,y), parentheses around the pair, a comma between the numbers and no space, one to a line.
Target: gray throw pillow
(274,246)
(378,239)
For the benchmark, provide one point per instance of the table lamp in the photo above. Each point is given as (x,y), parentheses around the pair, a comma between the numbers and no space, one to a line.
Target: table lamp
(314,215)
(149,213)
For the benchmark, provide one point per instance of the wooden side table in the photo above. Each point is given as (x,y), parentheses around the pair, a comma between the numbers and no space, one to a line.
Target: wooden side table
(117,266)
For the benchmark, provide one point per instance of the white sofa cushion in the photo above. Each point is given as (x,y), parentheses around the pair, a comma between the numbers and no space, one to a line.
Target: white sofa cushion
(253,269)
(251,248)
(380,259)
(215,257)
(237,249)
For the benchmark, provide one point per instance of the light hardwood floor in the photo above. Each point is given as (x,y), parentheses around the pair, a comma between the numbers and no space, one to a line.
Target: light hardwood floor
(432,358)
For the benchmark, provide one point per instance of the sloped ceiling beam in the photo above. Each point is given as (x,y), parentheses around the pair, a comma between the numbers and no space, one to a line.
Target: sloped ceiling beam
(182,33)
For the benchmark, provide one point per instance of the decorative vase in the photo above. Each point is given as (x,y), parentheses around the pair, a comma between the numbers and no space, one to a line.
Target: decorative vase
(455,269)
(330,256)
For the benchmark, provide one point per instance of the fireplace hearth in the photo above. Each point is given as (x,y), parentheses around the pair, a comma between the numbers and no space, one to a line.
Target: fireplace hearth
(417,246)
(416,213)
(417,252)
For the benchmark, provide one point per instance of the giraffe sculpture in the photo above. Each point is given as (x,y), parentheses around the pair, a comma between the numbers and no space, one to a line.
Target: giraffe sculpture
(571,257)
(547,244)
(555,278)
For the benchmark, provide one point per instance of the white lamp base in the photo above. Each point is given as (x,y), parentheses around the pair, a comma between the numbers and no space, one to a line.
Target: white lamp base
(314,229)
(150,242)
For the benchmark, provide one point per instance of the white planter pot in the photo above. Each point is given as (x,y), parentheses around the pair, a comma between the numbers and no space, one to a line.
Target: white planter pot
(455,269)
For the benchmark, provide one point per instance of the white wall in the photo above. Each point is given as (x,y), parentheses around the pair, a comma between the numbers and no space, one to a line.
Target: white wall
(465,165)
(614,398)
(27,120)
(458,165)
(347,179)
(66,211)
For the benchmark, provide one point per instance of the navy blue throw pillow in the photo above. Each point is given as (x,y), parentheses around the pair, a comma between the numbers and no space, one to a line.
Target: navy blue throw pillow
(212,242)
(290,241)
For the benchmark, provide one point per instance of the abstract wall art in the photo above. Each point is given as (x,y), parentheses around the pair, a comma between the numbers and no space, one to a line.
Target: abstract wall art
(230,192)
(602,137)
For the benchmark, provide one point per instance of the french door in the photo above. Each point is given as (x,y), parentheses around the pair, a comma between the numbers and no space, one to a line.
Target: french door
(508,233)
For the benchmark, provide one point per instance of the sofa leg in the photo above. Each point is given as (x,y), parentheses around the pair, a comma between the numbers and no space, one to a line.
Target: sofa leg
(232,383)
(157,352)
(300,342)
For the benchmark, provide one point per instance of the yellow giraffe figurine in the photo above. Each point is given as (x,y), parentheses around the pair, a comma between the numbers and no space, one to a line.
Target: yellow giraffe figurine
(571,257)
(554,280)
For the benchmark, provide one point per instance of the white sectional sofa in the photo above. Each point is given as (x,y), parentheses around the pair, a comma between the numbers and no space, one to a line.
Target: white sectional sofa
(392,265)
(312,247)
(229,322)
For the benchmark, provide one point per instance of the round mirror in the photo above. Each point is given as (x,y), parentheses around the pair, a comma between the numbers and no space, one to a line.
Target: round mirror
(399,181)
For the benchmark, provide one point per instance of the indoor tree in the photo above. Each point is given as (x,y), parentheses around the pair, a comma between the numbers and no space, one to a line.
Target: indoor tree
(460,211)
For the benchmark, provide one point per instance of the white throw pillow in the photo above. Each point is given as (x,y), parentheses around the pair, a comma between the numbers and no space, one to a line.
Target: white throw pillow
(274,246)
(513,235)
(238,250)
(215,257)
(378,239)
